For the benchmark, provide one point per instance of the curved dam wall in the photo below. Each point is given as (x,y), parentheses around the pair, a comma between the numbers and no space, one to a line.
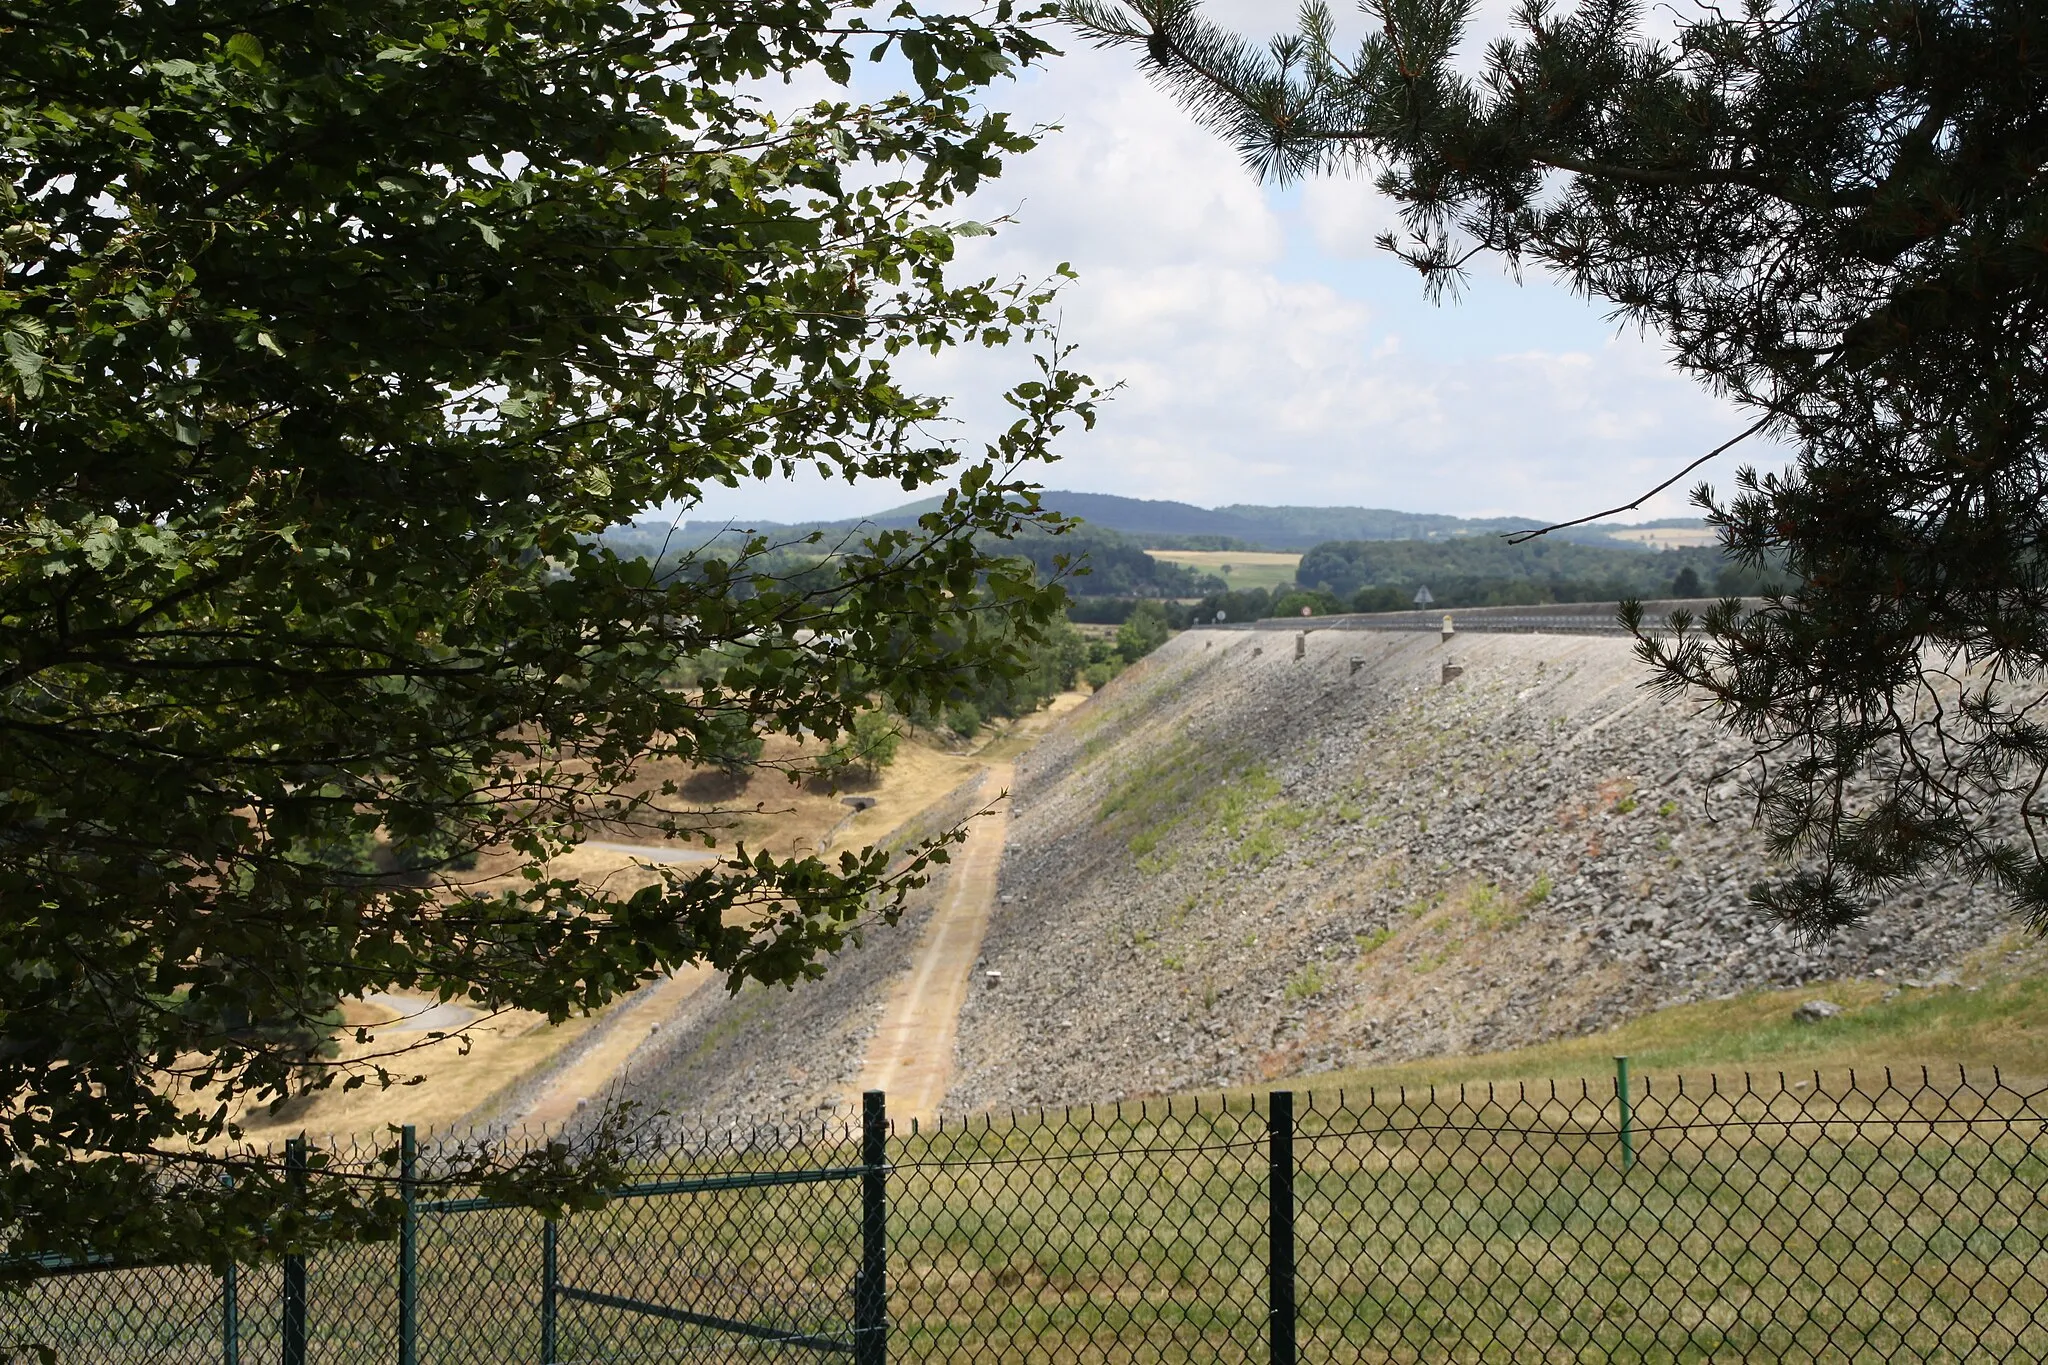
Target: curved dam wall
(1258,853)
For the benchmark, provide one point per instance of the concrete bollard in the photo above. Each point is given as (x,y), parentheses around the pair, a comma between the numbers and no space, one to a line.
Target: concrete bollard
(1452,672)
(1301,644)
(1448,630)
(1357,662)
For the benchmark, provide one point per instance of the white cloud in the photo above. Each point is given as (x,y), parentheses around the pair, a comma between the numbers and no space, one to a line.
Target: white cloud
(1267,358)
(1346,215)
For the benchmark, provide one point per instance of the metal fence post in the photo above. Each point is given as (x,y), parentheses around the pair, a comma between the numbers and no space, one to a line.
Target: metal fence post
(230,1304)
(871,1288)
(1280,1227)
(230,1318)
(408,1247)
(547,1292)
(1628,1135)
(295,1265)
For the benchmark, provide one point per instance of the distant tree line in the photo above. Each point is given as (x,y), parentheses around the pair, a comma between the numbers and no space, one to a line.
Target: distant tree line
(1089,561)
(1383,575)
(1101,563)
(1370,576)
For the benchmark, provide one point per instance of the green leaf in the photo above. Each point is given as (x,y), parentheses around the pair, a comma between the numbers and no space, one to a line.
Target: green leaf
(245,50)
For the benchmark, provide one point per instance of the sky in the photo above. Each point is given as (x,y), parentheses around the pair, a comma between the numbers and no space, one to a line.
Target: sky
(1268,352)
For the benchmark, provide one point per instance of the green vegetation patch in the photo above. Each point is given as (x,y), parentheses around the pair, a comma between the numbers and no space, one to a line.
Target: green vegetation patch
(1186,784)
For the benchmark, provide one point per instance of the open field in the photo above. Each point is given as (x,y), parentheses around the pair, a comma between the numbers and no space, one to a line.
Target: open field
(1242,569)
(1508,1223)
(1669,537)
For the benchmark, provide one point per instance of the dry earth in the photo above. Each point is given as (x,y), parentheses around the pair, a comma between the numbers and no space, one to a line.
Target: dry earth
(515,1068)
(910,1056)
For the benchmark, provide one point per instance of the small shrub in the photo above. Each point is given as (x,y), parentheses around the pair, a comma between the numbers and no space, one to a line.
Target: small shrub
(1262,845)
(1372,940)
(1143,632)
(1310,982)
(863,752)
(1491,912)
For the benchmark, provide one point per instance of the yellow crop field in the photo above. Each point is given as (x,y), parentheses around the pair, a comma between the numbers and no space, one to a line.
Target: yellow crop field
(1241,569)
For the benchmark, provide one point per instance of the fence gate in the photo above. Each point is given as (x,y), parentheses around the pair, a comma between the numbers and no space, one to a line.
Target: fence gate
(773,1261)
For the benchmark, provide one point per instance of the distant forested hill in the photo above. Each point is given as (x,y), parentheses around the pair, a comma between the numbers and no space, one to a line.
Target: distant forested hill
(1160,525)
(1367,558)
(1115,565)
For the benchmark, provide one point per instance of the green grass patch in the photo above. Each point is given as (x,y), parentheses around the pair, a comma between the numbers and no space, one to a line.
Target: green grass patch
(1186,787)
(1369,942)
(1310,981)
(1491,910)
(2003,1024)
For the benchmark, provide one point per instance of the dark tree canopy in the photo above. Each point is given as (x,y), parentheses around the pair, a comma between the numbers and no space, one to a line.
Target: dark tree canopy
(334,333)
(1835,212)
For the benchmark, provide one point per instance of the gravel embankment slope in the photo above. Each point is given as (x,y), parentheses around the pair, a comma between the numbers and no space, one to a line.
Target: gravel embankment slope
(1230,866)
(770,1055)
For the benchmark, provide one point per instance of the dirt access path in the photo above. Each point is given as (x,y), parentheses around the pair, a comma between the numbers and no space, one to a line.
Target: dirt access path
(597,1069)
(911,1054)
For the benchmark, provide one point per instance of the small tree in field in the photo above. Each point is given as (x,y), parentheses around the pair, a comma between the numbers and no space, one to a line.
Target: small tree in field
(867,748)
(1143,631)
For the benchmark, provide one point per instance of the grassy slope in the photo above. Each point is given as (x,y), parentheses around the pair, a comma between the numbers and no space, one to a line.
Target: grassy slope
(1995,1016)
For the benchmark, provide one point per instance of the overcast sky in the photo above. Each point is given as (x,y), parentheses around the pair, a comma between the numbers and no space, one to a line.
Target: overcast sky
(1270,353)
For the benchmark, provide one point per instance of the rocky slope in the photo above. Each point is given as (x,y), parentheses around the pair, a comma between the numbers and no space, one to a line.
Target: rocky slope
(1236,863)
(772,1054)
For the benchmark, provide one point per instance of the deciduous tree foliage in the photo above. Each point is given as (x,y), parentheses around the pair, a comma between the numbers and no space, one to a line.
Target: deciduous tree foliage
(333,334)
(1835,212)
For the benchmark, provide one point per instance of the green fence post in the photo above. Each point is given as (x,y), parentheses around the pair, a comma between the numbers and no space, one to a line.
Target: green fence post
(1628,1136)
(871,1286)
(230,1305)
(547,1292)
(230,1318)
(295,1265)
(1280,1307)
(408,1247)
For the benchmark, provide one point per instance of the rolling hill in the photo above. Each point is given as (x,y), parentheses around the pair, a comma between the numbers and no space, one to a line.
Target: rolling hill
(1163,524)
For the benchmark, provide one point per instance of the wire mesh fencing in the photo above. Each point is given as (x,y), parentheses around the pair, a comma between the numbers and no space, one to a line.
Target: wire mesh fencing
(1634,1220)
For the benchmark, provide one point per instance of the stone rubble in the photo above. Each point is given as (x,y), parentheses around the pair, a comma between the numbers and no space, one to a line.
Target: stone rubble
(1351,862)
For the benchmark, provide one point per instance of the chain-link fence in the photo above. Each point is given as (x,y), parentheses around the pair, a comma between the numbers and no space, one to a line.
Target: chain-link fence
(1666,1221)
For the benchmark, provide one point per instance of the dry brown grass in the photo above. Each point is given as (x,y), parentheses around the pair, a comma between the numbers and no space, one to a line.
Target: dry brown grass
(464,1074)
